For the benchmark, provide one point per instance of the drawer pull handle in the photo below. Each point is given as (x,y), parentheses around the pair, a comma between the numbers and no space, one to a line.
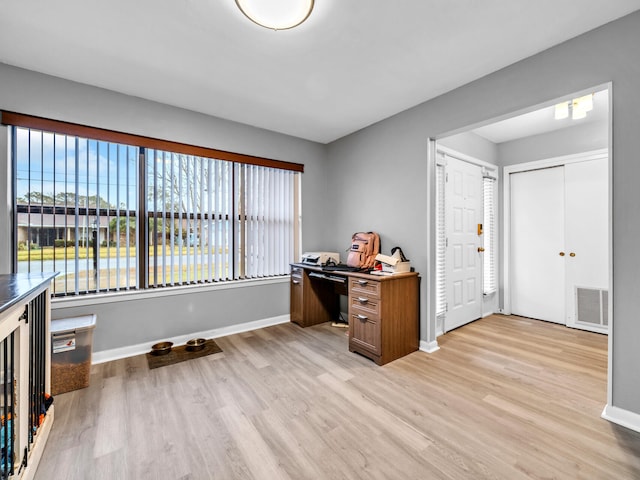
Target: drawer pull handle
(296,282)
(363,300)
(362,317)
(362,282)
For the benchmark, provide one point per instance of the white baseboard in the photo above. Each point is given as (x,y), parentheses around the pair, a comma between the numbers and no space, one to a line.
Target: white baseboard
(429,347)
(622,417)
(141,348)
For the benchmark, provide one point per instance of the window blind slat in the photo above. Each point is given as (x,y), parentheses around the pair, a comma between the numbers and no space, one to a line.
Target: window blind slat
(441,247)
(489,283)
(207,219)
(69,202)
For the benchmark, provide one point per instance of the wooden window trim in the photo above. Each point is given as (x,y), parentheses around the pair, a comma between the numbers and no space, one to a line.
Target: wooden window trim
(66,128)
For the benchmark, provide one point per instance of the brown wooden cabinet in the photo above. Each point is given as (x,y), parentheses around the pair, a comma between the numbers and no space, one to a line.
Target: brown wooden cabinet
(383,316)
(383,310)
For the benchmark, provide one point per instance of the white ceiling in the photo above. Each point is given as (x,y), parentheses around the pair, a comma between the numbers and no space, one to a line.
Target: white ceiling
(543,121)
(352,63)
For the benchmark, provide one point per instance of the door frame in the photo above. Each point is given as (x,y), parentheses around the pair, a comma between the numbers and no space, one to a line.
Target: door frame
(506,216)
(494,170)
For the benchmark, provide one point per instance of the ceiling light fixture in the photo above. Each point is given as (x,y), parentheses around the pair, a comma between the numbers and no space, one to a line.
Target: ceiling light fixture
(562,111)
(578,108)
(276,14)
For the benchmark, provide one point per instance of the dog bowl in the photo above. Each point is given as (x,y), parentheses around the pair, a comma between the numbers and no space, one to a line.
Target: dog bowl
(195,344)
(161,348)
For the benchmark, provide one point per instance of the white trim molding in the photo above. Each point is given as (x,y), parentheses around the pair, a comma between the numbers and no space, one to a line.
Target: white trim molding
(131,295)
(622,417)
(142,348)
(429,347)
(490,167)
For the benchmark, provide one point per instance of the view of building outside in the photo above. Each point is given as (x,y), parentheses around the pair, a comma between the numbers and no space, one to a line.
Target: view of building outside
(82,210)
(76,204)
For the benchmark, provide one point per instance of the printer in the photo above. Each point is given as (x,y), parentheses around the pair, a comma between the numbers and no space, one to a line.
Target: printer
(320,259)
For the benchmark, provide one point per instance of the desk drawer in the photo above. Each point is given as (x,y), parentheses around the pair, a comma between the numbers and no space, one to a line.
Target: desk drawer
(364,332)
(297,272)
(365,305)
(359,286)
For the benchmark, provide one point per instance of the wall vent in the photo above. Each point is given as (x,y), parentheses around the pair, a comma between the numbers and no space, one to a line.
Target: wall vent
(592,306)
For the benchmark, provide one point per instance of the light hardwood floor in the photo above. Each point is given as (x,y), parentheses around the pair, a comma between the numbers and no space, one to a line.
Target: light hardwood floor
(504,398)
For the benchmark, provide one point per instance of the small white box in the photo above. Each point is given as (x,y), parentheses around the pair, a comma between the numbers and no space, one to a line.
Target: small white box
(392,264)
(399,267)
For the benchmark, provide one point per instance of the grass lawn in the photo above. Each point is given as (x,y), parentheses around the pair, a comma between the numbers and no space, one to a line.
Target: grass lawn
(61,253)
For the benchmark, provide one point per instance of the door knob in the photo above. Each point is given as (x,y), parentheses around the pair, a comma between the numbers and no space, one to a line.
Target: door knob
(572,254)
(480,249)
(562,254)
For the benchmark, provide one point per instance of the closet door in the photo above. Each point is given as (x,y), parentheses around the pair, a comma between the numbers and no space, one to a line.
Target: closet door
(537,244)
(587,244)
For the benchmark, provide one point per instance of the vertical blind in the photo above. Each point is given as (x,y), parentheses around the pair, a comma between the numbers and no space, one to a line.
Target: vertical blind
(489,259)
(189,201)
(75,210)
(111,215)
(266,218)
(441,246)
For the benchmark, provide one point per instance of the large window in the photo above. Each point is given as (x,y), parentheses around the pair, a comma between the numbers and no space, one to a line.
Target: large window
(190,205)
(112,215)
(75,210)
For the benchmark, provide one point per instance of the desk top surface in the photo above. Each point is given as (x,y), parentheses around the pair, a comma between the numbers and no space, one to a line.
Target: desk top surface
(343,273)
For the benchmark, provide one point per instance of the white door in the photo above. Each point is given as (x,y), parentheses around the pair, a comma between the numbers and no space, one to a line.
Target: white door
(537,243)
(559,244)
(587,244)
(464,262)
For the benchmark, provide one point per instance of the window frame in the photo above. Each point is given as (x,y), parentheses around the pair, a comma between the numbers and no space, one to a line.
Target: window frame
(144,143)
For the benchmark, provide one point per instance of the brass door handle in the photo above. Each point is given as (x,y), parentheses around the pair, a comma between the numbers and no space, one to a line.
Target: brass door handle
(572,254)
(562,254)
(480,249)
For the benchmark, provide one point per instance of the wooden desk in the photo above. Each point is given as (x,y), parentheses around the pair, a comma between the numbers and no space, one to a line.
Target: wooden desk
(383,310)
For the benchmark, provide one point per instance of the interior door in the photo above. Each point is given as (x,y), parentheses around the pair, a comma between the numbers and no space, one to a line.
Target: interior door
(463,202)
(537,244)
(587,244)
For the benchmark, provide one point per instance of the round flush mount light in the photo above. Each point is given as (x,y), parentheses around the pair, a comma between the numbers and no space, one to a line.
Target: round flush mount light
(276,14)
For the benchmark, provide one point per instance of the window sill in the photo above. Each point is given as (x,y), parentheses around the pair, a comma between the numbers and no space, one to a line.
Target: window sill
(134,295)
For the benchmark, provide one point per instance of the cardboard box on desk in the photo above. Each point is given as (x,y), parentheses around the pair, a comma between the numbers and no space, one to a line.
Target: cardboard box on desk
(393,264)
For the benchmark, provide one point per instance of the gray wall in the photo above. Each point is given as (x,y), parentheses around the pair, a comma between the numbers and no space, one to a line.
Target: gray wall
(139,321)
(567,141)
(378,175)
(473,145)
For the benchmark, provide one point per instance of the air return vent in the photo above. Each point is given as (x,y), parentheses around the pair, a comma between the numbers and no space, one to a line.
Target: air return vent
(592,306)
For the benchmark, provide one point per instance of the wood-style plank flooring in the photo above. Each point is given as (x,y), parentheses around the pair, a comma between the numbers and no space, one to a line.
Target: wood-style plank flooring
(504,398)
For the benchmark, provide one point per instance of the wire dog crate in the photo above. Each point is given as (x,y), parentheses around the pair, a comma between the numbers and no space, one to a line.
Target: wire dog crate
(25,413)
